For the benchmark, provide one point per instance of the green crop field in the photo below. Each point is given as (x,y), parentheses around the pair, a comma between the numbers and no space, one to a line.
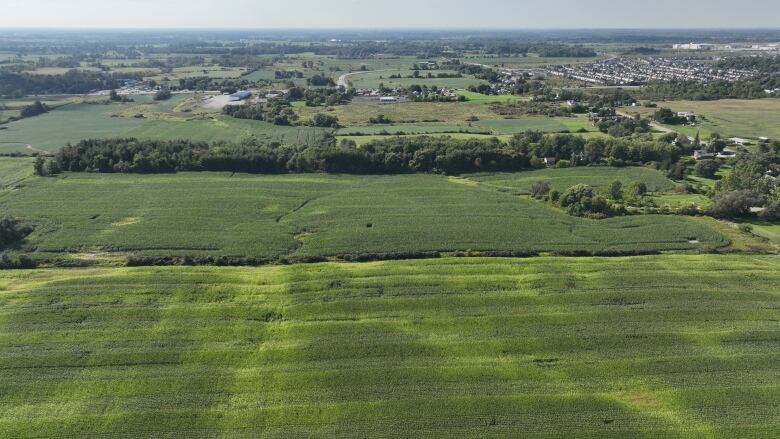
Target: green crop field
(562,179)
(661,346)
(316,214)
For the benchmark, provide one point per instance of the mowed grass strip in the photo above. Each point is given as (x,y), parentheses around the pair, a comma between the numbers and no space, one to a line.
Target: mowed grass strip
(661,346)
(316,214)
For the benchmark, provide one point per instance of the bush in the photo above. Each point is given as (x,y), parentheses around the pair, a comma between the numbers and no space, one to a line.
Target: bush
(734,204)
(706,168)
(35,109)
(580,200)
(162,95)
(325,120)
(771,212)
(8,262)
(12,230)
(540,189)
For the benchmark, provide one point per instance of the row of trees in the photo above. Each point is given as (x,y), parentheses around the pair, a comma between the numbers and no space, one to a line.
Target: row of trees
(385,156)
(73,82)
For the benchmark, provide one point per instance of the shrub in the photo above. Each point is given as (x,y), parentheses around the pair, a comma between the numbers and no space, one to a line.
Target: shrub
(540,189)
(12,230)
(771,212)
(734,204)
(8,262)
(162,95)
(706,168)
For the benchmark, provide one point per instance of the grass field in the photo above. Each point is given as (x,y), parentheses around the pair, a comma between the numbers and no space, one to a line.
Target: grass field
(162,120)
(443,112)
(362,140)
(663,346)
(562,179)
(768,231)
(729,117)
(14,169)
(301,215)
(412,128)
(372,80)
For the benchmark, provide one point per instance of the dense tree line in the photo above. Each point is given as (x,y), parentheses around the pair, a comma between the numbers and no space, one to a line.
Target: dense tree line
(532,108)
(385,156)
(73,82)
(752,88)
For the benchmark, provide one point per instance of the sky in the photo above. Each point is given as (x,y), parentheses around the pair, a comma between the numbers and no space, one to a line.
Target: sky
(483,14)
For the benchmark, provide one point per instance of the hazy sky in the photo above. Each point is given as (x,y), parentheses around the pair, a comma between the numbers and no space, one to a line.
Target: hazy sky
(390,13)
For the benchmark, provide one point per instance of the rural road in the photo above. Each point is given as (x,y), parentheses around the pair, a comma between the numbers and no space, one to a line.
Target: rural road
(343,80)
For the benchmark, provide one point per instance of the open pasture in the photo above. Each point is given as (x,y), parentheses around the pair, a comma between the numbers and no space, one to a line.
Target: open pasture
(663,346)
(14,169)
(729,117)
(171,119)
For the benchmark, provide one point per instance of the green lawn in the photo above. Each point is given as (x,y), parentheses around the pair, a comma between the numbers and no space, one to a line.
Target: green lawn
(662,346)
(562,179)
(315,214)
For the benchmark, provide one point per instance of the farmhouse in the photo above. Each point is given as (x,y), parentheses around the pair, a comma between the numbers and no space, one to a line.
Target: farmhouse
(740,141)
(701,154)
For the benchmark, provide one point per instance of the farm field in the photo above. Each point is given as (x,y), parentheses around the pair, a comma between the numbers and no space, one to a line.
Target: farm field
(14,169)
(532,60)
(412,128)
(562,179)
(362,140)
(537,123)
(78,121)
(729,117)
(374,79)
(315,214)
(442,112)
(664,346)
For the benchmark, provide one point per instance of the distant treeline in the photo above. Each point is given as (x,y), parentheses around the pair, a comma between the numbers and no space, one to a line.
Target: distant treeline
(72,82)
(385,156)
(694,90)
(368,48)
